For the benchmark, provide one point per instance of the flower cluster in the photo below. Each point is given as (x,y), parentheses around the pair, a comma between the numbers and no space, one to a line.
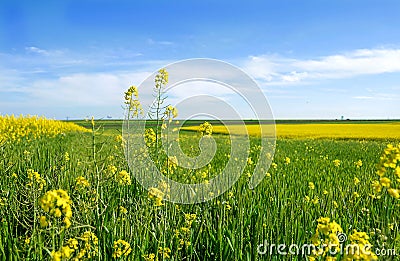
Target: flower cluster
(326,238)
(165,252)
(161,78)
(83,247)
(123,178)
(121,248)
(149,257)
(149,137)
(35,180)
(388,170)
(360,248)
(171,112)
(183,234)
(132,101)
(82,182)
(336,162)
(58,204)
(156,196)
(206,129)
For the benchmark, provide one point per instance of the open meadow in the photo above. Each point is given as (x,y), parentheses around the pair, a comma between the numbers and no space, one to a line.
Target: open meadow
(66,193)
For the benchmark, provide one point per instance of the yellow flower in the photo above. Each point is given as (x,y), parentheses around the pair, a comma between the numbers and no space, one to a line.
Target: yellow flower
(206,129)
(66,251)
(90,247)
(43,221)
(189,218)
(274,165)
(359,163)
(325,235)
(81,181)
(121,248)
(287,160)
(164,252)
(57,203)
(149,257)
(35,179)
(376,186)
(385,182)
(112,169)
(356,180)
(56,255)
(171,112)
(311,185)
(336,162)
(123,210)
(66,156)
(361,240)
(150,137)
(157,196)
(123,178)
(161,78)
(3,201)
(249,161)
(397,172)
(394,193)
(132,101)
(73,243)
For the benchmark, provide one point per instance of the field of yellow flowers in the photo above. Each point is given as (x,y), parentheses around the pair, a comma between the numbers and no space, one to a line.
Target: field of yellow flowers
(382,131)
(66,193)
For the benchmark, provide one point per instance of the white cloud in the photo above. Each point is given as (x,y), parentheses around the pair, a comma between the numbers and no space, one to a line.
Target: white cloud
(280,70)
(37,50)
(363,97)
(33,49)
(154,42)
(95,89)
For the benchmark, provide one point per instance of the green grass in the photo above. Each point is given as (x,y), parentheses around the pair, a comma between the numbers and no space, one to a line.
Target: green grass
(229,227)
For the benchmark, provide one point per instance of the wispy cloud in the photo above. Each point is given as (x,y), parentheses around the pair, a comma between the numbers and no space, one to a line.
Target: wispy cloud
(39,51)
(286,70)
(155,42)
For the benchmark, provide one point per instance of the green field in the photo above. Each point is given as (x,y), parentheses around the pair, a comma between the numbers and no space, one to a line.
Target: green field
(304,185)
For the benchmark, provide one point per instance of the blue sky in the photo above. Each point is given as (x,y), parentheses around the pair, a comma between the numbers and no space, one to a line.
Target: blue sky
(313,59)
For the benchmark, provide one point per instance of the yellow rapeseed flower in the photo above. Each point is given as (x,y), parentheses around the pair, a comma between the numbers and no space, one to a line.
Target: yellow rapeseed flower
(205,129)
(57,203)
(157,196)
(43,221)
(287,160)
(123,178)
(385,182)
(394,193)
(121,248)
(358,163)
(164,252)
(82,182)
(336,162)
